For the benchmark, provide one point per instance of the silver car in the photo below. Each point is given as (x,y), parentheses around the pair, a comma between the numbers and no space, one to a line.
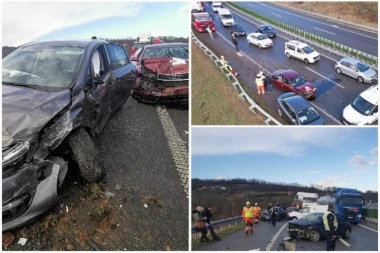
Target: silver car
(356,69)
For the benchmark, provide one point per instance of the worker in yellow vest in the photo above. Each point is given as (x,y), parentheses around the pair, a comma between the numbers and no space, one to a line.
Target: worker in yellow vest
(256,213)
(248,217)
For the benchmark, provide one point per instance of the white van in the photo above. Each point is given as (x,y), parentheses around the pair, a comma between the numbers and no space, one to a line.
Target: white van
(225,17)
(216,6)
(364,109)
(302,51)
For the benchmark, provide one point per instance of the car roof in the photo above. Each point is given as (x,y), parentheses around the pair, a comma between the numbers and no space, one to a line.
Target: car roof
(297,102)
(371,94)
(298,43)
(288,73)
(224,11)
(350,60)
(166,44)
(77,43)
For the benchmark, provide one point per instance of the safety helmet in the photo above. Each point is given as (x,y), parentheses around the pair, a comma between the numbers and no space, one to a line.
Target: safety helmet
(222,57)
(255,204)
(248,203)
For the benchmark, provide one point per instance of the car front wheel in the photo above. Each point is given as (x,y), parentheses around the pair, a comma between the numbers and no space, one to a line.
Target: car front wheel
(86,156)
(306,60)
(315,235)
(288,55)
(347,234)
(338,70)
(360,79)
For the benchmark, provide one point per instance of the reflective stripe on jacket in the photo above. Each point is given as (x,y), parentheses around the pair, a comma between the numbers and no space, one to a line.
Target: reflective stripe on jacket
(247,212)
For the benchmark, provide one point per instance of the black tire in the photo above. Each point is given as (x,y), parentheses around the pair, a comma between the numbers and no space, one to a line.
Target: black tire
(288,55)
(315,235)
(347,234)
(259,45)
(86,156)
(338,70)
(361,79)
(306,60)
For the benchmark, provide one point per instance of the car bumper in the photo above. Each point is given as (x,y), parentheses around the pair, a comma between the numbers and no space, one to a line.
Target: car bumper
(166,95)
(25,195)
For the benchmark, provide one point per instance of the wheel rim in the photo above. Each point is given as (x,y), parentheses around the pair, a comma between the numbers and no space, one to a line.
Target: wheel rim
(347,233)
(306,61)
(338,70)
(360,79)
(314,235)
(288,55)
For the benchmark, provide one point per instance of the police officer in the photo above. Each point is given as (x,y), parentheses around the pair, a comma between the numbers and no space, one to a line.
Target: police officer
(331,225)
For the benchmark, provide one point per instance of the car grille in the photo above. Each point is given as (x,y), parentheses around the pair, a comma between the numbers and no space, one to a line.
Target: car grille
(172,80)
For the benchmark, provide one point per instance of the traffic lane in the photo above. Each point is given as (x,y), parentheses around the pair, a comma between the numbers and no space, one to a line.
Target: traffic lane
(322,74)
(363,238)
(179,114)
(240,241)
(352,37)
(140,170)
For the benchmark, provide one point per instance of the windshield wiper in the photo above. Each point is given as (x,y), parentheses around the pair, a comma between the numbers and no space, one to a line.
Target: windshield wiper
(21,84)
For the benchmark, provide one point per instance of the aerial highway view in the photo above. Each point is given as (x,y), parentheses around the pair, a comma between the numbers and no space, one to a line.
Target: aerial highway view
(330,63)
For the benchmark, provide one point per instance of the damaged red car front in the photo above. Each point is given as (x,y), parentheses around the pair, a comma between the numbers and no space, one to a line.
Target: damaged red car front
(163,73)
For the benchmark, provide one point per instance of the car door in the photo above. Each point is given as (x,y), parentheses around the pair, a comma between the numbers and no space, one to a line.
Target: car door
(353,70)
(278,81)
(123,73)
(290,114)
(97,89)
(344,66)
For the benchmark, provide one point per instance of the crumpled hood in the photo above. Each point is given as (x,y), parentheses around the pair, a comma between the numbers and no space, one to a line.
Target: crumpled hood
(306,87)
(26,111)
(167,65)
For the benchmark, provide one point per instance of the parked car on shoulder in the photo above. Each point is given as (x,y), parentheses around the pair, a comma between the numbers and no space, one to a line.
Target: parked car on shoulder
(356,69)
(290,81)
(56,95)
(301,51)
(260,40)
(364,109)
(312,227)
(267,30)
(238,30)
(163,73)
(296,110)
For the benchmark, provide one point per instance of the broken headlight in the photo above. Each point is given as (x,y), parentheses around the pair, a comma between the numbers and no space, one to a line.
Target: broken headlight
(14,157)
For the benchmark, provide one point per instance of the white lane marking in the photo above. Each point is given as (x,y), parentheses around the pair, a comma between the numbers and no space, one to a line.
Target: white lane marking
(177,147)
(326,113)
(325,77)
(270,244)
(344,242)
(323,31)
(347,30)
(368,228)
(276,14)
(335,26)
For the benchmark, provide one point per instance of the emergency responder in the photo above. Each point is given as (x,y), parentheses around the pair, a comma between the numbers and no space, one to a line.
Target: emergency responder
(331,225)
(248,217)
(200,223)
(256,213)
(273,214)
(227,67)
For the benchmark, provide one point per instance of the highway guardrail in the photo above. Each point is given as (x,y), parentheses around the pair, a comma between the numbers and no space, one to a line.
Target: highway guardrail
(219,223)
(311,38)
(254,108)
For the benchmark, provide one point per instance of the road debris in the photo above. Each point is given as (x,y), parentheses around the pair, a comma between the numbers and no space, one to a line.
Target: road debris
(22,241)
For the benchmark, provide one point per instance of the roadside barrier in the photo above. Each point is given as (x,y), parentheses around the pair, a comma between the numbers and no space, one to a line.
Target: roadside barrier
(254,108)
(229,222)
(325,44)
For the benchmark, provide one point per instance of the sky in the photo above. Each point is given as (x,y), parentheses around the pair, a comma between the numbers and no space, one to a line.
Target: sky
(340,157)
(27,21)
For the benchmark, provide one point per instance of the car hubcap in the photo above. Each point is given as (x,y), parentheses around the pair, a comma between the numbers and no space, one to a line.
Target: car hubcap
(314,235)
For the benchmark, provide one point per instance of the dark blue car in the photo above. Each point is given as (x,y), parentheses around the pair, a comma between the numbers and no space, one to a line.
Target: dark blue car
(238,30)
(267,30)
(311,227)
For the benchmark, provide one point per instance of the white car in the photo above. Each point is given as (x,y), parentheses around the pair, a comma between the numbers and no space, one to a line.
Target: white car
(216,6)
(356,69)
(364,109)
(225,17)
(306,210)
(301,51)
(260,40)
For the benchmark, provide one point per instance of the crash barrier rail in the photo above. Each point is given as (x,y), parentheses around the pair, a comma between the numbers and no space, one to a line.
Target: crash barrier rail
(325,44)
(336,20)
(219,223)
(370,214)
(236,84)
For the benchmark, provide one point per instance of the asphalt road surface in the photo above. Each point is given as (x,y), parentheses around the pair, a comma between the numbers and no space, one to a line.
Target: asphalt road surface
(334,91)
(268,238)
(142,203)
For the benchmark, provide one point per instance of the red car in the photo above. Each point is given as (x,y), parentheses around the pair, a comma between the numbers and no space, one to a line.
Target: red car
(201,20)
(290,80)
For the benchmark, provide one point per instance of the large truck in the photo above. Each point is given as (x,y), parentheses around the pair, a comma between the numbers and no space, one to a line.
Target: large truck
(346,201)
(307,198)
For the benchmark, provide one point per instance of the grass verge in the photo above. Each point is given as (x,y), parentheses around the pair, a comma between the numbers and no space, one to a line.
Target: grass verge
(214,100)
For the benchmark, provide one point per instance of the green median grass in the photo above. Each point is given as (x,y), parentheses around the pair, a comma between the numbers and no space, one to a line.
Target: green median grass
(214,101)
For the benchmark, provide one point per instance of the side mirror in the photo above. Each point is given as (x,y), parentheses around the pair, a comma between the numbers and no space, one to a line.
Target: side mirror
(98,80)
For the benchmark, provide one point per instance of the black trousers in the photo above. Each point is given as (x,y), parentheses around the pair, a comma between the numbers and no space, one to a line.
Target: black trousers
(330,241)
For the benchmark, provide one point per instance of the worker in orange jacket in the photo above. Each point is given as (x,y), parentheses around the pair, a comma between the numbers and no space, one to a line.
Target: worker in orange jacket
(256,213)
(248,217)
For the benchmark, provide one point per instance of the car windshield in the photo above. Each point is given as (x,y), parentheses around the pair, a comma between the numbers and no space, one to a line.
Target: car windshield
(226,16)
(261,37)
(351,201)
(362,67)
(168,51)
(307,50)
(42,66)
(305,117)
(267,28)
(313,217)
(203,18)
(362,106)
(310,200)
(297,81)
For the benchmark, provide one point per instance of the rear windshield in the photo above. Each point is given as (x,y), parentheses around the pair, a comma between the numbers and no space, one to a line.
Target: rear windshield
(42,66)
(203,18)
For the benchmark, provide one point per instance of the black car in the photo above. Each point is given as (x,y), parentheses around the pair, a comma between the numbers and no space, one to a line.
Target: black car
(312,227)
(296,110)
(56,95)
(238,30)
(267,30)
(281,214)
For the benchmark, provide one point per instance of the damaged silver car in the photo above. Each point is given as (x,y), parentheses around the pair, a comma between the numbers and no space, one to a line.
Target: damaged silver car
(56,96)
